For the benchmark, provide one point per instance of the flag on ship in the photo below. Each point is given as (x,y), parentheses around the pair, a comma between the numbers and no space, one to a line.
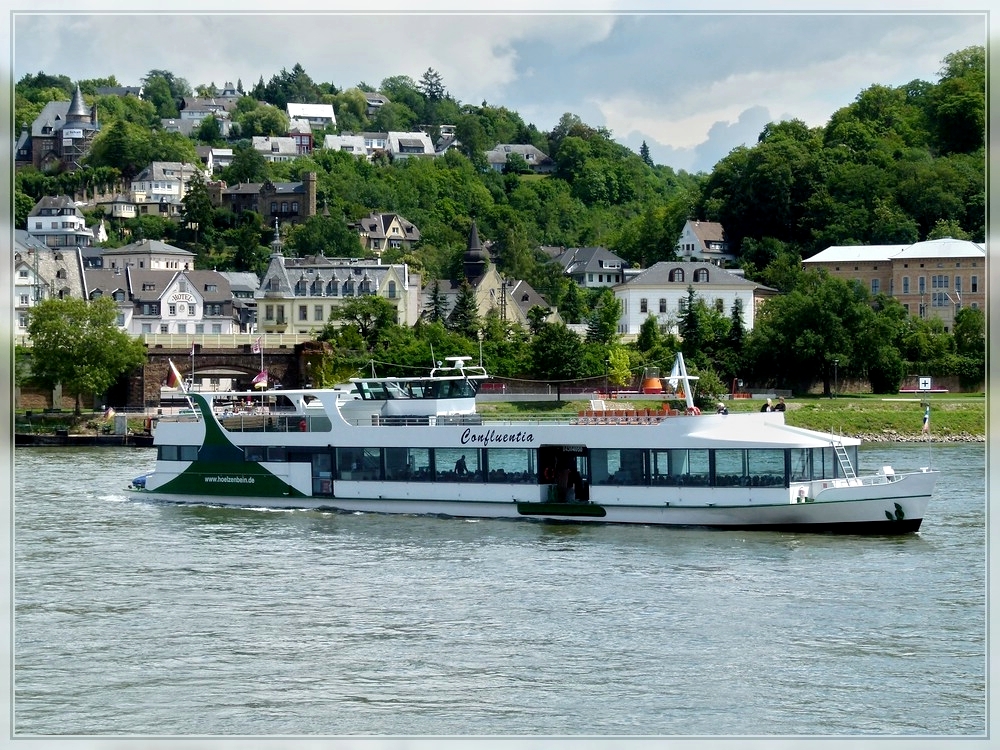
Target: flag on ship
(927,420)
(174,379)
(261,378)
(256,347)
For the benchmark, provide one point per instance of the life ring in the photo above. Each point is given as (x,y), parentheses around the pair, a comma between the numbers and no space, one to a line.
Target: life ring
(548,474)
(693,411)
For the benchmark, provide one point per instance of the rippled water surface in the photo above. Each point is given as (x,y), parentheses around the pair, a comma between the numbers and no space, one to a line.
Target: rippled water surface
(132,618)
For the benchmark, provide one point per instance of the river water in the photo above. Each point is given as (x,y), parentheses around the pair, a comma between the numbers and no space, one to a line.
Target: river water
(156,620)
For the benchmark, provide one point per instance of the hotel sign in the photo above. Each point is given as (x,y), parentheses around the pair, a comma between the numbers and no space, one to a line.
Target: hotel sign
(72,133)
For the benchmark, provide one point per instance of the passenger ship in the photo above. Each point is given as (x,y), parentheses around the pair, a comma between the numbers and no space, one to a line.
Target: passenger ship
(418,446)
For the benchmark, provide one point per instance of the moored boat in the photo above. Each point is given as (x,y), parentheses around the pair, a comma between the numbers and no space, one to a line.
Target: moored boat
(418,446)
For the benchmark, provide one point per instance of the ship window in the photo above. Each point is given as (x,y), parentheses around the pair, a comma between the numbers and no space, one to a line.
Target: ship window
(448,465)
(766,467)
(801,464)
(359,463)
(511,465)
(617,466)
(730,468)
(189,453)
(408,464)
(276,453)
(167,453)
(691,467)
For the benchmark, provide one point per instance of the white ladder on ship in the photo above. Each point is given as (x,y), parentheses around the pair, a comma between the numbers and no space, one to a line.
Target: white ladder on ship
(845,461)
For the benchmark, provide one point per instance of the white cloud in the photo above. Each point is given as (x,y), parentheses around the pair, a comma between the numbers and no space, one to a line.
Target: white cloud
(682,82)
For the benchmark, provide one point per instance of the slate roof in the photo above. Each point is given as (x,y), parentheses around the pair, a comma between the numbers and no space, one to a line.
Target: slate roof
(148,247)
(580,260)
(56,203)
(658,275)
(52,114)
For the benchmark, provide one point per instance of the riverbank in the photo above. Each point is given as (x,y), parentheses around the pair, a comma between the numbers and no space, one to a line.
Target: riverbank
(954,418)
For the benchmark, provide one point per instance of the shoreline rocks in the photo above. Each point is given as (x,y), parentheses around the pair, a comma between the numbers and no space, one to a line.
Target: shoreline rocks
(891,436)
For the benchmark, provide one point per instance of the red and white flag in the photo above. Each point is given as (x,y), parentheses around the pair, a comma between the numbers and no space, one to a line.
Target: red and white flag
(261,378)
(174,379)
(255,347)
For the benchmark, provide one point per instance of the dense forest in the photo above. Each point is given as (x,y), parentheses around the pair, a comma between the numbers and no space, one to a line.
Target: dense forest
(896,165)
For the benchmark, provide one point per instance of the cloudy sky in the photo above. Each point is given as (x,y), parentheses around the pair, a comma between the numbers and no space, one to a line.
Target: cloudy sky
(692,85)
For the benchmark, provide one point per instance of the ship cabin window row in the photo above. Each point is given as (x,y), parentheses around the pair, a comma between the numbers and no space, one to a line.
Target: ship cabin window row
(682,467)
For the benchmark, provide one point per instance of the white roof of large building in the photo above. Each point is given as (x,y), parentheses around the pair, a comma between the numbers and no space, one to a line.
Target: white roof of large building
(946,247)
(853,253)
(297,110)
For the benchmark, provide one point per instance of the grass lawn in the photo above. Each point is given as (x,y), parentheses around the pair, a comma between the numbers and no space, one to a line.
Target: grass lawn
(864,414)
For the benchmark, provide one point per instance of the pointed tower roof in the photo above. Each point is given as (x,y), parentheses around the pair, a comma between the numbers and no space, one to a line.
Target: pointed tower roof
(78,109)
(475,259)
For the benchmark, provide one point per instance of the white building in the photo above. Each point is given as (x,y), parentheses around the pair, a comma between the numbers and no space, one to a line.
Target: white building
(148,255)
(276,148)
(662,291)
(58,222)
(706,241)
(163,301)
(161,187)
(353,144)
(42,272)
(318,115)
(406,145)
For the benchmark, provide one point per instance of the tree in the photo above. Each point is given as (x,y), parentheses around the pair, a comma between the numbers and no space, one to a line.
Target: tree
(435,312)
(371,316)
(556,353)
(464,318)
(970,332)
(248,165)
(602,323)
(22,207)
(817,323)
(198,209)
(431,85)
(210,131)
(644,154)
(537,318)
(77,344)
(324,235)
(125,146)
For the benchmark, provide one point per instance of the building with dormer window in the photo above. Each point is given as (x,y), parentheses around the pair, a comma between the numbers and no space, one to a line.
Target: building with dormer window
(58,222)
(380,232)
(300,295)
(61,135)
(159,189)
(42,272)
(592,267)
(318,116)
(661,291)
(704,241)
(169,302)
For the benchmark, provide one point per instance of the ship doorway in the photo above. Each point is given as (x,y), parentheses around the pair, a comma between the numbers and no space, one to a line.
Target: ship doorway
(566,469)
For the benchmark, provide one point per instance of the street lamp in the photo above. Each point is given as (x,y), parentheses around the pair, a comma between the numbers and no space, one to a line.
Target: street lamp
(835,363)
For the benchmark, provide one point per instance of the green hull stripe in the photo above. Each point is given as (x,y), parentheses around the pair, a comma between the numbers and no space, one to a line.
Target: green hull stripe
(561,509)
(221,470)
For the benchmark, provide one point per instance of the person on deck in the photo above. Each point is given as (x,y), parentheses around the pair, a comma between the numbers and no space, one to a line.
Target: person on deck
(460,468)
(781,404)
(721,409)
(767,406)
